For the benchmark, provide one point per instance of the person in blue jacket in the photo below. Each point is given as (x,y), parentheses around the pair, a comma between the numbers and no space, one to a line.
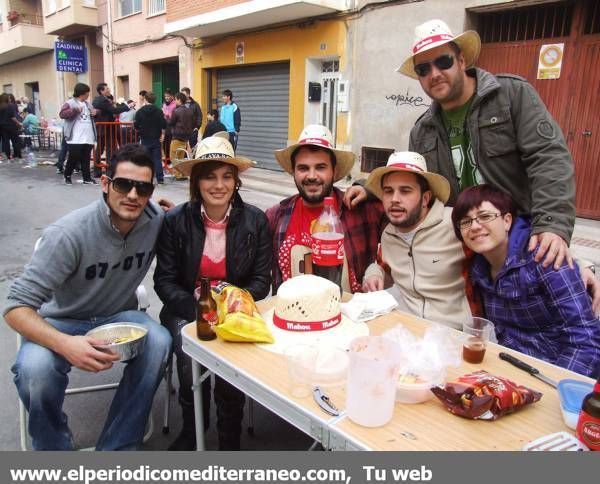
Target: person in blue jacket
(231,117)
(540,311)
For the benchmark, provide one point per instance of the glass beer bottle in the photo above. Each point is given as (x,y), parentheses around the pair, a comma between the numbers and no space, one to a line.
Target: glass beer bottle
(206,312)
(588,426)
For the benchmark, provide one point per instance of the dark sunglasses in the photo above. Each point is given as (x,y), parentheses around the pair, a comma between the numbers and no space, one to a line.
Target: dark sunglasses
(124,186)
(442,62)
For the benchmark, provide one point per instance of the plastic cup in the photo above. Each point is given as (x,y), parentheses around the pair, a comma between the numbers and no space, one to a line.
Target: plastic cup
(477,334)
(331,368)
(301,360)
(372,376)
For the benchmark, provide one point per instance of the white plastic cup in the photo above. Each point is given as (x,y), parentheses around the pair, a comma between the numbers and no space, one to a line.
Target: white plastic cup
(372,376)
(301,360)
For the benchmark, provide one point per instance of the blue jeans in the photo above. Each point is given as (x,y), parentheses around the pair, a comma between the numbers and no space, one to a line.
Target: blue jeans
(153,146)
(41,377)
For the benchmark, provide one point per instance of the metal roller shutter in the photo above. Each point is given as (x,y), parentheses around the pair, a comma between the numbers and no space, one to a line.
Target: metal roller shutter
(262,94)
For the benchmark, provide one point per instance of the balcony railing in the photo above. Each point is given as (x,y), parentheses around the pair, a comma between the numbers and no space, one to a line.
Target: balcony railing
(25,19)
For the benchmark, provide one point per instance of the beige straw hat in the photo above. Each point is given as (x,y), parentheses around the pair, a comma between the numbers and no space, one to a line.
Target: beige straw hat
(434,33)
(413,163)
(317,135)
(214,148)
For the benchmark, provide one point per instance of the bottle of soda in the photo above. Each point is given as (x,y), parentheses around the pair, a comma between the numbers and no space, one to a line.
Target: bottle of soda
(328,244)
(588,425)
(206,312)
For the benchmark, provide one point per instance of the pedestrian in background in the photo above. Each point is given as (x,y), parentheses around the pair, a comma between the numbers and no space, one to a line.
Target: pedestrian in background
(181,125)
(106,111)
(231,117)
(10,125)
(31,126)
(80,132)
(126,131)
(197,111)
(150,124)
(214,125)
(168,107)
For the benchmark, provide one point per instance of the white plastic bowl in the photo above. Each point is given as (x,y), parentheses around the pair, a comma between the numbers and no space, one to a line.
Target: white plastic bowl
(413,392)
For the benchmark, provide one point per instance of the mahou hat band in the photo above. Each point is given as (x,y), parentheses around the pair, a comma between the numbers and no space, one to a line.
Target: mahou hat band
(306,326)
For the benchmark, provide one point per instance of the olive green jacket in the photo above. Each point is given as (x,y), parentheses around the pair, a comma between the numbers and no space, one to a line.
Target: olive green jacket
(518,148)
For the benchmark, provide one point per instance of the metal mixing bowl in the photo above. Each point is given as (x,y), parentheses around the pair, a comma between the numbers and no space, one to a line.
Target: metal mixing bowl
(113,333)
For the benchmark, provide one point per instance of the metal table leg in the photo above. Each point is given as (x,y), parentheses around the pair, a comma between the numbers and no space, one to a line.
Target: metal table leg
(198,410)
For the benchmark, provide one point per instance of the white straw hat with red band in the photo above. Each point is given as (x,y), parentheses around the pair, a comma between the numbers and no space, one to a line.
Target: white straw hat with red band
(410,162)
(307,311)
(434,33)
(317,135)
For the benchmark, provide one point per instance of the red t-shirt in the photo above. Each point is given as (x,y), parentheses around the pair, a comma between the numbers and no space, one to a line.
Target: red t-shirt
(212,262)
(297,243)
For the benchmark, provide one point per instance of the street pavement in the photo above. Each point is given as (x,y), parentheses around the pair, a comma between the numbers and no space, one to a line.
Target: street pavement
(32,198)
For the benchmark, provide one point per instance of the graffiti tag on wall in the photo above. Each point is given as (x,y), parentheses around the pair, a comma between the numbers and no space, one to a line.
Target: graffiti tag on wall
(406,99)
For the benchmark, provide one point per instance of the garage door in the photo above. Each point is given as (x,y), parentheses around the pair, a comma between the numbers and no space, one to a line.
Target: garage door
(262,94)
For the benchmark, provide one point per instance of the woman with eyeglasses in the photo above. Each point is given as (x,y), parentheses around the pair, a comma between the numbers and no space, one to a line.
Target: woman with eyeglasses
(540,311)
(218,236)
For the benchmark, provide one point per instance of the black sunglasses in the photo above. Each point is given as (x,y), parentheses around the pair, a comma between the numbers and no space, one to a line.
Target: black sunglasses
(124,186)
(442,62)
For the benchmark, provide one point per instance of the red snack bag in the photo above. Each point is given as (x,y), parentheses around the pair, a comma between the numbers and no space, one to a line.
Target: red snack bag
(480,395)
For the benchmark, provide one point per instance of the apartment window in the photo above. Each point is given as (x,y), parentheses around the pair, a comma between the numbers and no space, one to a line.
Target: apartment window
(526,23)
(88,3)
(372,158)
(156,6)
(51,6)
(127,7)
(7,88)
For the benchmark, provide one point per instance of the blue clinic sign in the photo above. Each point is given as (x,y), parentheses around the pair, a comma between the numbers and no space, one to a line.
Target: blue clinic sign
(70,57)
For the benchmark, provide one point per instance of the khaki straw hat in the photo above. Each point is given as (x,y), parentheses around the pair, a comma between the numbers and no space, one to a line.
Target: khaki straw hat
(434,33)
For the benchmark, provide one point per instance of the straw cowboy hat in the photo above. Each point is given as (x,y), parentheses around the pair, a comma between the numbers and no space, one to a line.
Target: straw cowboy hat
(434,33)
(214,148)
(307,311)
(412,163)
(317,135)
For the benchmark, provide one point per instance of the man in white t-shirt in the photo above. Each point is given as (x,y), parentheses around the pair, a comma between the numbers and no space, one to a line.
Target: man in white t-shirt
(80,132)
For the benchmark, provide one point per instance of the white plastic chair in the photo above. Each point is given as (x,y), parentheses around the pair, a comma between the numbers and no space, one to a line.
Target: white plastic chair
(143,305)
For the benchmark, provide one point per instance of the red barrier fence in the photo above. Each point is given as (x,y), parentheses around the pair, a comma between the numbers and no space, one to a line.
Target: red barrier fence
(111,136)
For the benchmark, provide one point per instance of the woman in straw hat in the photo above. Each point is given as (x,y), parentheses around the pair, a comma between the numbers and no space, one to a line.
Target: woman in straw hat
(219,236)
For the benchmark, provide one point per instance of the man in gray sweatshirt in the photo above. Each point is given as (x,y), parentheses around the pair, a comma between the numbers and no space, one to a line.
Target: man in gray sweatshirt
(83,274)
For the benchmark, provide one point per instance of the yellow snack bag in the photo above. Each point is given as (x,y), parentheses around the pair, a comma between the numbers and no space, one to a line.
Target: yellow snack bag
(239,319)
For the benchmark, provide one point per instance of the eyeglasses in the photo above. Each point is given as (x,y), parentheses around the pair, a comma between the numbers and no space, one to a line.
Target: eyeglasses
(124,186)
(482,218)
(442,62)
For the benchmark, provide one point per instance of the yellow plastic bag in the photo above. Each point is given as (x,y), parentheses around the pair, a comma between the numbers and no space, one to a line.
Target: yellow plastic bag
(239,319)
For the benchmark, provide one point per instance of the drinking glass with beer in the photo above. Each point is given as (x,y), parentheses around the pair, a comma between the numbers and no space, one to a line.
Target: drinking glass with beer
(477,334)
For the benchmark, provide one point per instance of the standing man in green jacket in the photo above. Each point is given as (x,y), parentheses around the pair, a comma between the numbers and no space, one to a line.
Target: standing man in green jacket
(493,129)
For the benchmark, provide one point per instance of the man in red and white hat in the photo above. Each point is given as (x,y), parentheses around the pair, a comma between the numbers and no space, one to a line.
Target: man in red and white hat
(494,129)
(419,250)
(316,165)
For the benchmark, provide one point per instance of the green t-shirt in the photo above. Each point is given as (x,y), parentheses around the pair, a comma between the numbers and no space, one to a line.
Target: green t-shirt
(460,144)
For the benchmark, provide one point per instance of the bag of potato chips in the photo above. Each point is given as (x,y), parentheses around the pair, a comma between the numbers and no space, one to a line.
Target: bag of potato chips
(239,319)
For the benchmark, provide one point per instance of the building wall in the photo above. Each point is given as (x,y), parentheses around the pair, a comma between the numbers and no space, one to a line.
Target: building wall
(137,44)
(294,44)
(39,68)
(178,9)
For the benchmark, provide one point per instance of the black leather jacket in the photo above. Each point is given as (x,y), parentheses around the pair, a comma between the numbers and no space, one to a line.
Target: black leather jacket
(180,246)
